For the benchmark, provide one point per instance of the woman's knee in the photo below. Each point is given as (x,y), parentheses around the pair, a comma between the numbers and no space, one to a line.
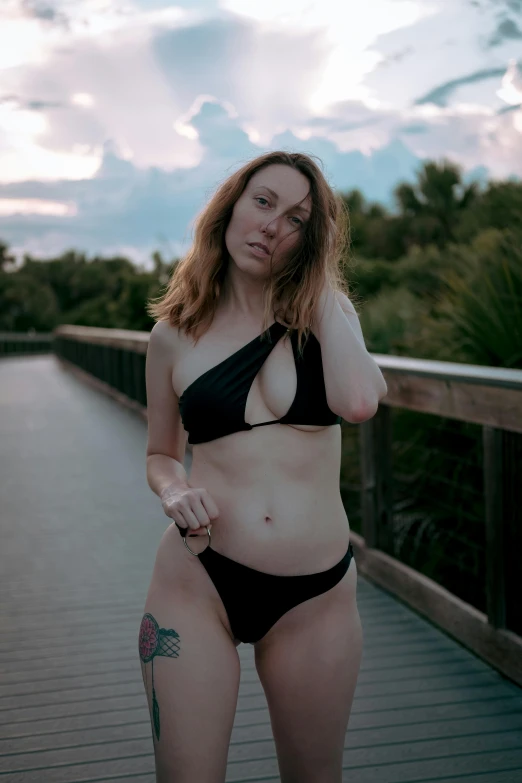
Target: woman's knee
(191,673)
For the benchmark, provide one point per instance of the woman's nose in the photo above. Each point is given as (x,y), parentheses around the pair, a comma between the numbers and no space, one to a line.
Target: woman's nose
(271,228)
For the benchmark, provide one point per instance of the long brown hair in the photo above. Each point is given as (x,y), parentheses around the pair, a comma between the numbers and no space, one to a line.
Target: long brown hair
(192,294)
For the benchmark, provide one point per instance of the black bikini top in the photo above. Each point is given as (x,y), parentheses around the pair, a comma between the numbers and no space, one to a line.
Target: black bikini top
(214,404)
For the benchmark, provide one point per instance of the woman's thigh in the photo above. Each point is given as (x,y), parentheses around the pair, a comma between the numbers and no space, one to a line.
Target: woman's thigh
(190,666)
(191,673)
(308,664)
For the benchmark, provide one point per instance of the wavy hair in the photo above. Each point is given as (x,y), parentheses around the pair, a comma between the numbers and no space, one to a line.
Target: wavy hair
(192,294)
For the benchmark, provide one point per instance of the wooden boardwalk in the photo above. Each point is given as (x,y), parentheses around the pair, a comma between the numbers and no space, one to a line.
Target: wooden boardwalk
(79,529)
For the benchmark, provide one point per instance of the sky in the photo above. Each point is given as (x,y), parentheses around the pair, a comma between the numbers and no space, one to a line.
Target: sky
(120,118)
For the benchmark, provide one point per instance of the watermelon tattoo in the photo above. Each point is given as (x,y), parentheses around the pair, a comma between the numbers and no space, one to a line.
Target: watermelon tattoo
(154,641)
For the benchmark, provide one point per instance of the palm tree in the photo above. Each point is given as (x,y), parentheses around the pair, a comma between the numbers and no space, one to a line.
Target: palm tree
(435,204)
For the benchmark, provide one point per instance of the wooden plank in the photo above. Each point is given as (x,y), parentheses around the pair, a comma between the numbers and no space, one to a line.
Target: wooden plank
(121,751)
(500,648)
(395,733)
(136,778)
(499,407)
(73,773)
(125,731)
(511,776)
(429,769)
(119,338)
(26,336)
(362,766)
(359,736)
(78,673)
(80,722)
(478,374)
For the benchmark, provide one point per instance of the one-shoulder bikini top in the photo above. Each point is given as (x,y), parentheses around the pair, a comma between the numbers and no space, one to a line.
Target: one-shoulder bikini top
(214,404)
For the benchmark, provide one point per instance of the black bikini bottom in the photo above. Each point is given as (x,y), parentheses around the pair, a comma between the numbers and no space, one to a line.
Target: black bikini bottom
(254,600)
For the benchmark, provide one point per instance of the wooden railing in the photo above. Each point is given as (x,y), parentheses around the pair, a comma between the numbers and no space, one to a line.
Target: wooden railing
(488,396)
(21,343)
(114,357)
(492,398)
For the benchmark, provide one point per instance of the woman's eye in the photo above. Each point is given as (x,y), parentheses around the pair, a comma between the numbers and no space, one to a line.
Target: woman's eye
(299,221)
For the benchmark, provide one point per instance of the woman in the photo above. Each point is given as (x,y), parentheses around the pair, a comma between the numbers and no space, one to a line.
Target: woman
(227,357)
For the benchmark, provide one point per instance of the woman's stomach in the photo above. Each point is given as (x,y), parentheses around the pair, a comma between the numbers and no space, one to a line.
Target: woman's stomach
(280,507)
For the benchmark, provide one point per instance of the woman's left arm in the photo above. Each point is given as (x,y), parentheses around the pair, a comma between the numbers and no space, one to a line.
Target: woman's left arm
(353,381)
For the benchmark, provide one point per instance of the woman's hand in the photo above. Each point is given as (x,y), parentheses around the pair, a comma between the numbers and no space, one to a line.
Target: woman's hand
(189,507)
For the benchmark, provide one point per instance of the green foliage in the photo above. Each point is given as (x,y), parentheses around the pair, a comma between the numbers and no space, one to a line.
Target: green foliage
(438,209)
(387,320)
(6,260)
(26,304)
(437,201)
(374,233)
(420,272)
(72,289)
(462,304)
(483,304)
(500,206)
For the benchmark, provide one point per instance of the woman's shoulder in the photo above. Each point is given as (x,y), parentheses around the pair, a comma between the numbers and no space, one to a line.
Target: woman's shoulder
(164,337)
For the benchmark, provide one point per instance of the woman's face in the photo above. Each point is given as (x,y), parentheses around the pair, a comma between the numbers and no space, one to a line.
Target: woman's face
(266,213)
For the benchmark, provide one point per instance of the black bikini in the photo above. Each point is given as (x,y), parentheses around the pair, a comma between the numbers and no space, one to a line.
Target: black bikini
(214,404)
(212,407)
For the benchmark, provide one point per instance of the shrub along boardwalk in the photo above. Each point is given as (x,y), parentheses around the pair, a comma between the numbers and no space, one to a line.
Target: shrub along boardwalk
(79,532)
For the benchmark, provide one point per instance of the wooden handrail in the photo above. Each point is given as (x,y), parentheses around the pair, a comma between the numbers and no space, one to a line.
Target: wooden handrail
(117,338)
(25,336)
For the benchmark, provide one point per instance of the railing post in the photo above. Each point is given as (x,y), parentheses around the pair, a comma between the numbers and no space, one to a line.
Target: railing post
(376,480)
(366,441)
(492,439)
(126,387)
(138,369)
(512,498)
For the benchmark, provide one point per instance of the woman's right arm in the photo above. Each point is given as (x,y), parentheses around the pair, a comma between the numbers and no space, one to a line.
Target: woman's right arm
(190,507)
(166,435)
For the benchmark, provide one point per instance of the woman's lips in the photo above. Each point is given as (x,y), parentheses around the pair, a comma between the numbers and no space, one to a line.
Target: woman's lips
(257,250)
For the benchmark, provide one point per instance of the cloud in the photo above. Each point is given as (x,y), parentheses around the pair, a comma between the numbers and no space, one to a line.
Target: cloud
(506,109)
(440,95)
(446,57)
(507,29)
(42,11)
(415,127)
(31,104)
(150,209)
(133,113)
(242,64)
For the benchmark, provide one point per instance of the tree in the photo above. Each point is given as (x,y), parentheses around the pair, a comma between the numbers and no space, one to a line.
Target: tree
(6,261)
(435,204)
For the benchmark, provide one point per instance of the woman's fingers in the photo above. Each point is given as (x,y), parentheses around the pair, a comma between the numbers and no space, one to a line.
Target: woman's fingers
(192,508)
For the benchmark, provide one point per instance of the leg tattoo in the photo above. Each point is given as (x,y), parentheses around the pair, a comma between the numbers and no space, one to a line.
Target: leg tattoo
(153,641)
